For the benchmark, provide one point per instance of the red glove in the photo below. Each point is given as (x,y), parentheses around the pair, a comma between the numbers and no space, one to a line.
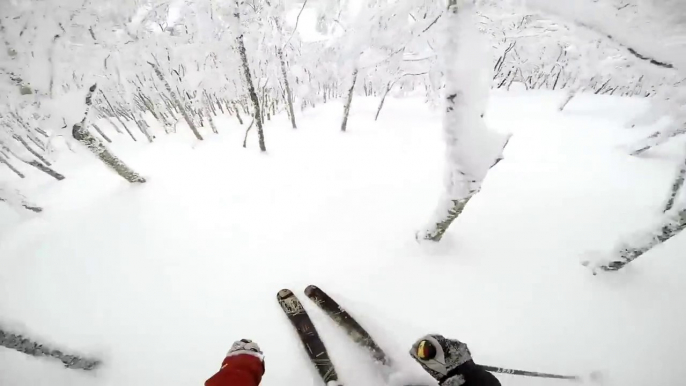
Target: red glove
(243,366)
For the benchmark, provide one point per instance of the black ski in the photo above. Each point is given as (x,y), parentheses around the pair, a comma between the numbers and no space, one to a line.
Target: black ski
(347,322)
(308,335)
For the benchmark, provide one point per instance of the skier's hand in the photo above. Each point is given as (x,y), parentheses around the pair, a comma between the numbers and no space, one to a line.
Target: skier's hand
(444,359)
(245,346)
(243,366)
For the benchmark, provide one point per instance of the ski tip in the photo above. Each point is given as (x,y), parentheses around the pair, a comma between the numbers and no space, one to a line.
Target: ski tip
(311,289)
(284,293)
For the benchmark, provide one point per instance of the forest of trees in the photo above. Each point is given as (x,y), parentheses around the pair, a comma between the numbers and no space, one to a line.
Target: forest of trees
(68,66)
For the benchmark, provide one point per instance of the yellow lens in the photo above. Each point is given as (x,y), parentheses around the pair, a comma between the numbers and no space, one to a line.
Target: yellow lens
(421,350)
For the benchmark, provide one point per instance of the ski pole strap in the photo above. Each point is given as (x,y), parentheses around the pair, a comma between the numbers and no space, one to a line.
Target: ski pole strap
(502,370)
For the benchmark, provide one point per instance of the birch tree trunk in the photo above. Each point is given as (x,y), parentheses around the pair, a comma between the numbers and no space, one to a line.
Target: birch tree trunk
(383,99)
(238,113)
(639,245)
(176,100)
(676,187)
(32,162)
(30,149)
(388,90)
(114,112)
(248,81)
(142,126)
(81,134)
(286,85)
(657,139)
(97,128)
(5,161)
(348,102)
(14,198)
(33,348)
(572,93)
(472,149)
(209,117)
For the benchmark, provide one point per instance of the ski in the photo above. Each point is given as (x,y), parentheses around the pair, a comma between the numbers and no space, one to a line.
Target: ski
(347,322)
(308,336)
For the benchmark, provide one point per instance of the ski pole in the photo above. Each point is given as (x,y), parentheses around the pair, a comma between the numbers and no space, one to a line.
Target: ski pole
(502,370)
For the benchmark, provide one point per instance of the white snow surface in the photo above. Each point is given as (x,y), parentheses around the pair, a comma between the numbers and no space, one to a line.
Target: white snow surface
(159,279)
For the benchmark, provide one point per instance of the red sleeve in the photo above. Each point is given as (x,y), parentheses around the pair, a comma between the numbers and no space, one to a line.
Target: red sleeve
(239,370)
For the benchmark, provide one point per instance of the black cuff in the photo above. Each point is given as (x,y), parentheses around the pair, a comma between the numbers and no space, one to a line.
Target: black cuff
(462,369)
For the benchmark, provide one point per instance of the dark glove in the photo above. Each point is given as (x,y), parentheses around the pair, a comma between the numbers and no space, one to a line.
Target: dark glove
(447,360)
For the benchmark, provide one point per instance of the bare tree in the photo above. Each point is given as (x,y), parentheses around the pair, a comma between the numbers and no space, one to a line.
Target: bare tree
(13,197)
(31,347)
(248,79)
(625,253)
(677,186)
(81,134)
(34,163)
(349,101)
(472,148)
(176,100)
(286,85)
(4,160)
(97,128)
(389,86)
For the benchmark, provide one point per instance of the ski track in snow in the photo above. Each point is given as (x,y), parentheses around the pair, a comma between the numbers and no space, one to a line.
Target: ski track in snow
(159,279)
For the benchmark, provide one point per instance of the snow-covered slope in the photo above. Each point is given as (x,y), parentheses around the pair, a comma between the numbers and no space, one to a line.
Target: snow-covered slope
(159,279)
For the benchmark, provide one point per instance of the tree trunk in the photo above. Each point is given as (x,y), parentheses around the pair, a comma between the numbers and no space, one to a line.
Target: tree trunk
(245,139)
(210,105)
(209,118)
(116,128)
(658,138)
(176,101)
(30,149)
(388,90)
(625,254)
(383,99)
(263,106)
(238,113)
(349,101)
(676,187)
(149,105)
(97,128)
(45,169)
(143,126)
(5,161)
(114,112)
(96,146)
(463,124)
(13,198)
(251,88)
(289,98)
(30,347)
(219,105)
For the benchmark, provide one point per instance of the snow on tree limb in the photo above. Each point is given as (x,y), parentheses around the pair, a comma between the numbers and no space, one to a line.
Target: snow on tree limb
(472,149)
(605,19)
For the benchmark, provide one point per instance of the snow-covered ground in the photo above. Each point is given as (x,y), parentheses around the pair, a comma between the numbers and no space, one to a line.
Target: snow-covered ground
(158,279)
